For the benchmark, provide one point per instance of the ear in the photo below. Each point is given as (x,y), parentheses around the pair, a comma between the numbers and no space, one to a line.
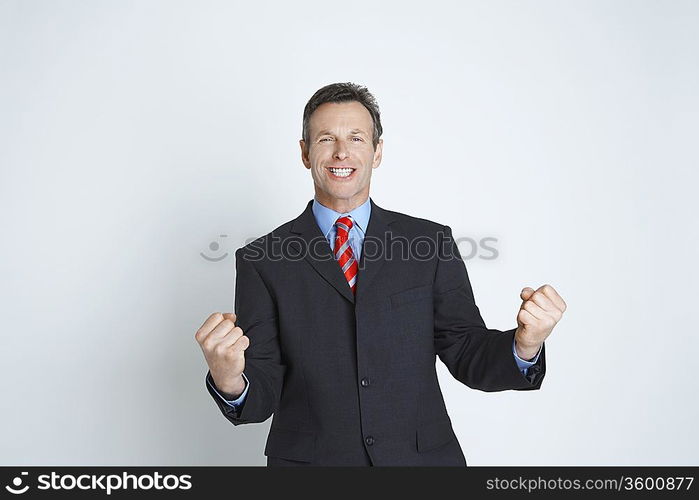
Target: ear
(304,154)
(378,154)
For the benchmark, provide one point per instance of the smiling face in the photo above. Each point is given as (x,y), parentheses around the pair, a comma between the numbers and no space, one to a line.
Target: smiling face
(340,135)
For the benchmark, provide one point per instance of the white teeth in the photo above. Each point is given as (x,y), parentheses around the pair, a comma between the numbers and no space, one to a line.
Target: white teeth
(341,172)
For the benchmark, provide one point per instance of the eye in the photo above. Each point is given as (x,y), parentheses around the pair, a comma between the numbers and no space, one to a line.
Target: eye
(324,139)
(362,140)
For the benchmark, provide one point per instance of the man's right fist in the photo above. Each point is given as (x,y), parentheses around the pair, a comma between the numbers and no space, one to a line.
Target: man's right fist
(224,347)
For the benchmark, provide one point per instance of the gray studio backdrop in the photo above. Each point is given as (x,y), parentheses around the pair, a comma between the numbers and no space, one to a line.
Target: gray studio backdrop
(141,143)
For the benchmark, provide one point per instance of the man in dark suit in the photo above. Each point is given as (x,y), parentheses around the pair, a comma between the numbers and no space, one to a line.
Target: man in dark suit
(342,311)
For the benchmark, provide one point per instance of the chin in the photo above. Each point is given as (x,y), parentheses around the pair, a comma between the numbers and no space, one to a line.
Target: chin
(343,193)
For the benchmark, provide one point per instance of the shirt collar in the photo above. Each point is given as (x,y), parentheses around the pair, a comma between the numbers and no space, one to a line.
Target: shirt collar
(326,217)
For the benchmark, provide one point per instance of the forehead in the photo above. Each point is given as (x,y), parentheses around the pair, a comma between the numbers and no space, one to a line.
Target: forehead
(340,116)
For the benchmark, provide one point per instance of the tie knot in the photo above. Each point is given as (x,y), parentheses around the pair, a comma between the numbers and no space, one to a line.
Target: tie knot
(344,223)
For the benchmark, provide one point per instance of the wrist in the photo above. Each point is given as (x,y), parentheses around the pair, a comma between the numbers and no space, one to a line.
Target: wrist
(233,390)
(527,353)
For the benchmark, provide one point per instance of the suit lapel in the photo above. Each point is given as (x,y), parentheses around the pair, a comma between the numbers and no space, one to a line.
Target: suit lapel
(374,247)
(318,253)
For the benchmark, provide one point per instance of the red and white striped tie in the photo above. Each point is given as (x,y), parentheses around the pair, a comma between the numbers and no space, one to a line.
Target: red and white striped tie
(343,251)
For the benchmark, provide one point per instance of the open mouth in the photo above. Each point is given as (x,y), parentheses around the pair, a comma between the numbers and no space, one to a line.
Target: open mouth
(341,172)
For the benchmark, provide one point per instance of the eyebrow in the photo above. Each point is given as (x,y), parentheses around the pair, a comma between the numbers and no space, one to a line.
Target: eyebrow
(353,131)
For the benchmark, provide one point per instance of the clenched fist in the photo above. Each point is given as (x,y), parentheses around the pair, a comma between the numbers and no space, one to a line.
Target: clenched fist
(538,314)
(224,347)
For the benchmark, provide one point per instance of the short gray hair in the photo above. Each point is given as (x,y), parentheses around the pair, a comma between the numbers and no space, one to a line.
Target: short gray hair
(343,92)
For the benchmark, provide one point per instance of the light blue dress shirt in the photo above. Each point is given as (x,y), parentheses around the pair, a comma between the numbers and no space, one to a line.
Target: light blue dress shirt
(325,218)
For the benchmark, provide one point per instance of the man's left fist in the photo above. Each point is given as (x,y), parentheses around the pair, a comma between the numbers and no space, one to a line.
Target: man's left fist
(538,314)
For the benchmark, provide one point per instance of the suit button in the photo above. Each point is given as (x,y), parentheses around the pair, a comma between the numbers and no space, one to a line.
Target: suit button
(365,382)
(369,440)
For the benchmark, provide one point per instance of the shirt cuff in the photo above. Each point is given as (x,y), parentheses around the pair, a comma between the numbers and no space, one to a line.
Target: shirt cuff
(522,364)
(236,402)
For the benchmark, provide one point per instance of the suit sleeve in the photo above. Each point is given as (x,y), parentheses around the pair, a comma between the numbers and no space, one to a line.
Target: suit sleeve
(477,356)
(256,314)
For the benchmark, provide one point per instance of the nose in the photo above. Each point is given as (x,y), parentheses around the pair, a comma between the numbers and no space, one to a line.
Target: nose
(341,150)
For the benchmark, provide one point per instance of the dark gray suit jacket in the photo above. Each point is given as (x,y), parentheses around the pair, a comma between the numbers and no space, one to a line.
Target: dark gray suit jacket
(352,380)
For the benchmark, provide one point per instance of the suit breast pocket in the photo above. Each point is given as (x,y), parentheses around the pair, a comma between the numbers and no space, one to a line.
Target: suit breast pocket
(412,297)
